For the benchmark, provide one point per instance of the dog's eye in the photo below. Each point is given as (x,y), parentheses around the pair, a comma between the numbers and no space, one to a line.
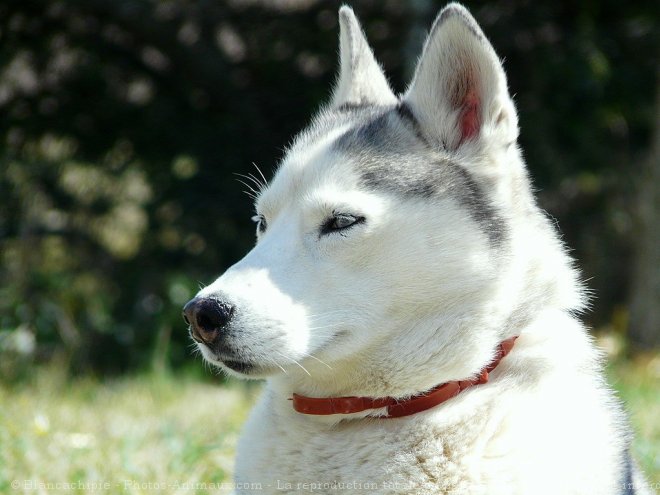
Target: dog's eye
(260,220)
(340,222)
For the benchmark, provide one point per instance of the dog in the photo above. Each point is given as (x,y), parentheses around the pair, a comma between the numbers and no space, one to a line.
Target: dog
(412,309)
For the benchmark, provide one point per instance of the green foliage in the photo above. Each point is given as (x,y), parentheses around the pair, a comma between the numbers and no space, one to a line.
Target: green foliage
(123,122)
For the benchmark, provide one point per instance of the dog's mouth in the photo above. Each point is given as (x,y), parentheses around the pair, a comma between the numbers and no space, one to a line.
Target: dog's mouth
(219,358)
(238,366)
(231,363)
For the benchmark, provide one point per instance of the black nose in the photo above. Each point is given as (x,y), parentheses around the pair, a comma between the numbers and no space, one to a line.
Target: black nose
(207,318)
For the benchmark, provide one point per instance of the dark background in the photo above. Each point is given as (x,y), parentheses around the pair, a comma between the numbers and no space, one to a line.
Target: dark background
(123,122)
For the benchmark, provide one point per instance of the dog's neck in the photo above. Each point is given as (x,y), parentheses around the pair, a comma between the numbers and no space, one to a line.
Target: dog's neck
(370,374)
(393,407)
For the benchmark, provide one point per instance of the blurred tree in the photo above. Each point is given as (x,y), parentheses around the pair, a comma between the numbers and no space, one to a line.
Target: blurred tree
(123,121)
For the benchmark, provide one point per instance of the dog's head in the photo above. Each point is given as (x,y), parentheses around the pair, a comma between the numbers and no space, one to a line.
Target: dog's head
(385,242)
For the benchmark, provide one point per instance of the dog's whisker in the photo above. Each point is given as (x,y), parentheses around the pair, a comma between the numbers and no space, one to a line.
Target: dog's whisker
(302,367)
(252,192)
(326,313)
(257,181)
(323,327)
(295,362)
(319,360)
(279,366)
(259,185)
(262,184)
(251,195)
(194,349)
(263,177)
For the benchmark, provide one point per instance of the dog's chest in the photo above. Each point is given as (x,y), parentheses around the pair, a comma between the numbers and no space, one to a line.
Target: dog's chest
(370,455)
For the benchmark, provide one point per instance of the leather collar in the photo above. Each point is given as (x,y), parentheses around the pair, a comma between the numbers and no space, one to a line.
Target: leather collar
(397,408)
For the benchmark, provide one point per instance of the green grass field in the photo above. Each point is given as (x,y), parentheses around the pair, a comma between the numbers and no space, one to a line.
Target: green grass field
(134,433)
(173,434)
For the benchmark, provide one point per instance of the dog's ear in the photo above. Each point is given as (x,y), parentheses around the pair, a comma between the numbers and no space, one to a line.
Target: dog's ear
(361,81)
(459,92)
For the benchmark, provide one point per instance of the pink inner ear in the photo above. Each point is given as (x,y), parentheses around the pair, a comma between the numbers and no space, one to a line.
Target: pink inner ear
(469,115)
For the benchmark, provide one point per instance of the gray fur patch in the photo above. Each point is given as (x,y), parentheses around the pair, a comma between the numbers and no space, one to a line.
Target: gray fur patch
(480,208)
(394,158)
(407,115)
(628,484)
(351,107)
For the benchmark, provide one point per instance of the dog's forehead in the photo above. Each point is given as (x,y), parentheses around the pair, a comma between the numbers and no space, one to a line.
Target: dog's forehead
(314,160)
(310,162)
(375,149)
(344,146)
(380,145)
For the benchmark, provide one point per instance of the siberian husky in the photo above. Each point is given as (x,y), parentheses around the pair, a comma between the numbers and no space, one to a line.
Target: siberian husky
(410,306)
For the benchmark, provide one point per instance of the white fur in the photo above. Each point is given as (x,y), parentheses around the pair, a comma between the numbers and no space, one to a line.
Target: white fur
(457,58)
(361,79)
(413,297)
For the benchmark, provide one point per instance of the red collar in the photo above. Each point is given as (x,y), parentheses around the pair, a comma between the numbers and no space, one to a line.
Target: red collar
(397,408)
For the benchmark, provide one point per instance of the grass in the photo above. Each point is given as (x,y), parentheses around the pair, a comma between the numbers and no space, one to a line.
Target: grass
(638,385)
(172,434)
(134,433)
